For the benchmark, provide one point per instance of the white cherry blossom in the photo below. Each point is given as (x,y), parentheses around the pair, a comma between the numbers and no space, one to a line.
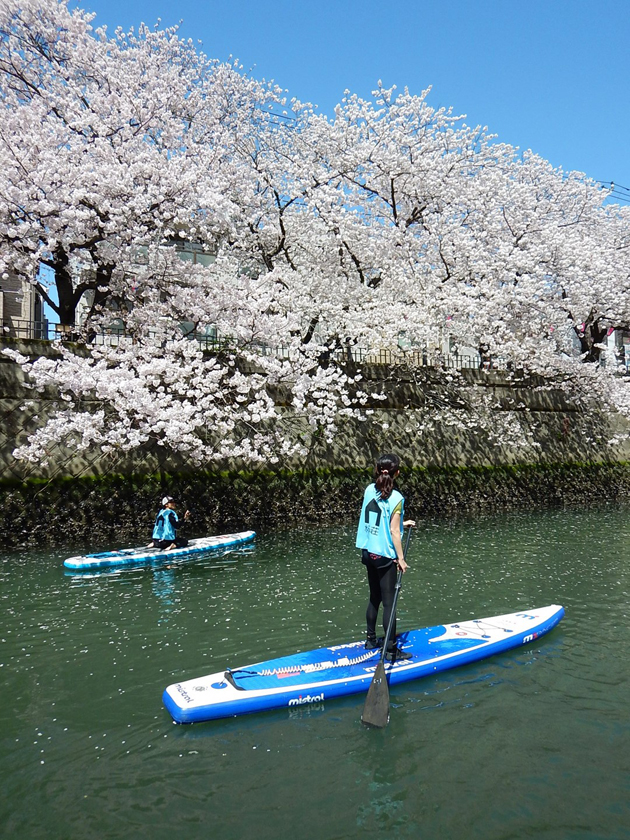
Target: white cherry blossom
(388,225)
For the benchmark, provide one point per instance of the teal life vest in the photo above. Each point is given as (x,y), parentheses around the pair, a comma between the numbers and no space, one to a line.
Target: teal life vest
(374,532)
(163,528)
(158,527)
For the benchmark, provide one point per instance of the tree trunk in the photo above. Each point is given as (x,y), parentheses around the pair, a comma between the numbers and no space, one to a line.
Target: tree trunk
(65,291)
(593,334)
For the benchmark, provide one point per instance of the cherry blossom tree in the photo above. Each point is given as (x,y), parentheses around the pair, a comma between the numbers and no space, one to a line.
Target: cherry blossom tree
(108,145)
(389,224)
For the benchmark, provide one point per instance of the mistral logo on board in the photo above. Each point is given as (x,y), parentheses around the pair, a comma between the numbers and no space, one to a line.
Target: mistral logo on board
(309,698)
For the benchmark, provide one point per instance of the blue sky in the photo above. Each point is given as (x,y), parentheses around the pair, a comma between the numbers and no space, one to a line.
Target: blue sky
(546,75)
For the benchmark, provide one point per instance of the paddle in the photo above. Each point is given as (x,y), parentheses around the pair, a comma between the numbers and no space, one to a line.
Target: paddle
(376,708)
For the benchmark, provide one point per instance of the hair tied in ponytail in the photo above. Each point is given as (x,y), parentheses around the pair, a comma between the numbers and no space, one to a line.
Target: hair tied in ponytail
(386,470)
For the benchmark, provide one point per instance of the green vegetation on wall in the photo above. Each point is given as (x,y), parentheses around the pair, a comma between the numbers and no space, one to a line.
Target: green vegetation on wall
(100,512)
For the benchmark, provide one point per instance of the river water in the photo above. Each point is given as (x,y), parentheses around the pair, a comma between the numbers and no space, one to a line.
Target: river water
(531,743)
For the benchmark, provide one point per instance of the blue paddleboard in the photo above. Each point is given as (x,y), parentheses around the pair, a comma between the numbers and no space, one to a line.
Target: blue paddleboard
(318,675)
(133,556)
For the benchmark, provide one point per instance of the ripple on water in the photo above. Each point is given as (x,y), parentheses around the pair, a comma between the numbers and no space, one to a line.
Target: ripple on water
(532,741)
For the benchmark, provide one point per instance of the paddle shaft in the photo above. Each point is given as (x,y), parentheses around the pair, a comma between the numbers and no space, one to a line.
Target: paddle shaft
(376,708)
(392,617)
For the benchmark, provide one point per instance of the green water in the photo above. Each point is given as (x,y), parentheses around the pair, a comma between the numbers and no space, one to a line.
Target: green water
(532,743)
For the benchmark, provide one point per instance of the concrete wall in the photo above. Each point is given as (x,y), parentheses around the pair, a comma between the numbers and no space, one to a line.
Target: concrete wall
(558,431)
(93,501)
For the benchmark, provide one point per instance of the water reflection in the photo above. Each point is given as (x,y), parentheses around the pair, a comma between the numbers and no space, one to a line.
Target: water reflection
(163,587)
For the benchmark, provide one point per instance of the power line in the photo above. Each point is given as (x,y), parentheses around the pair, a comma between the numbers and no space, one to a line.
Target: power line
(614,186)
(616,191)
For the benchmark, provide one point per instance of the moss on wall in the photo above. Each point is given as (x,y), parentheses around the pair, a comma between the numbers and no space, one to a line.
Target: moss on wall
(120,509)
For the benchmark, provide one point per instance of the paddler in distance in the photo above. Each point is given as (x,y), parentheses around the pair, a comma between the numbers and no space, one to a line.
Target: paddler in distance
(167,522)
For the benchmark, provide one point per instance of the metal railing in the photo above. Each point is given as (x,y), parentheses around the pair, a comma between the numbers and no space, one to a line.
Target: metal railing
(19,328)
(211,342)
(413,358)
(423,358)
(44,330)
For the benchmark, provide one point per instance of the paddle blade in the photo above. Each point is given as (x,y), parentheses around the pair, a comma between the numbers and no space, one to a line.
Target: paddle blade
(376,709)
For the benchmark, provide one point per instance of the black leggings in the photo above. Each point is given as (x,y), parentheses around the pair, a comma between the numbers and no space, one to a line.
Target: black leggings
(180,542)
(382,589)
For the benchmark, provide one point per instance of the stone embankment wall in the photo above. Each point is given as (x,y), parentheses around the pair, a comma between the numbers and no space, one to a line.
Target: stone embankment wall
(90,500)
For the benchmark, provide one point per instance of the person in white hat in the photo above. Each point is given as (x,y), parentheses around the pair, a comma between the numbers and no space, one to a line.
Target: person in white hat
(167,522)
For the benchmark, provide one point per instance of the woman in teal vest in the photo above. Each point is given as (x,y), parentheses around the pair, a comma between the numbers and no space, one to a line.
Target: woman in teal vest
(379,536)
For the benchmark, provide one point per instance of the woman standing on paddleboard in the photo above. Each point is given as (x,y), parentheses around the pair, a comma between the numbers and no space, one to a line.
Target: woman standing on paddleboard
(379,536)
